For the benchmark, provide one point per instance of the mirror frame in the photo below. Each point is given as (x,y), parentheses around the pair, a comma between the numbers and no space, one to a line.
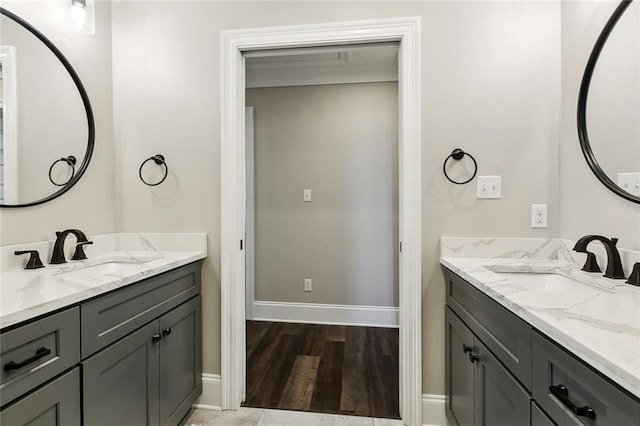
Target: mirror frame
(582,105)
(85,100)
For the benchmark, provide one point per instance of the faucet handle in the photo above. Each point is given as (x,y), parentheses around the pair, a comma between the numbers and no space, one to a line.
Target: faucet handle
(591,264)
(634,278)
(34,261)
(79,254)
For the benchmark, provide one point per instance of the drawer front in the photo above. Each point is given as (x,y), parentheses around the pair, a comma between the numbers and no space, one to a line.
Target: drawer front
(36,352)
(582,388)
(506,335)
(56,404)
(108,318)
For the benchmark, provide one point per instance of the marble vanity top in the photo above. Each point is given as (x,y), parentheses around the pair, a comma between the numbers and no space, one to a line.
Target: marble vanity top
(26,294)
(597,319)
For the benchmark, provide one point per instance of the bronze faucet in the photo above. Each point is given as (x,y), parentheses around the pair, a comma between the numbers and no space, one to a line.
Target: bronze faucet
(614,263)
(58,248)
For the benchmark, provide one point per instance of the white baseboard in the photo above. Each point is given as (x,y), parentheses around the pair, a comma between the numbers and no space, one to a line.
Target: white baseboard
(432,405)
(316,313)
(210,398)
(433,410)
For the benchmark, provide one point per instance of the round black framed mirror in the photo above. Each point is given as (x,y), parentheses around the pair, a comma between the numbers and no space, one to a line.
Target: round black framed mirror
(612,144)
(47,129)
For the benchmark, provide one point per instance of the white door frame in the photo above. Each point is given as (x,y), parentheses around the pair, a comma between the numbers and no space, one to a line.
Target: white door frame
(233,176)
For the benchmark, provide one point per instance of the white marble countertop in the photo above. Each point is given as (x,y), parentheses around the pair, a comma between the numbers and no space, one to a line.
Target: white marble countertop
(598,322)
(26,294)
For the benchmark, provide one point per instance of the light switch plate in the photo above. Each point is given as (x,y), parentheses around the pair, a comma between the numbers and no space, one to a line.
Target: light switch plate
(306,195)
(489,187)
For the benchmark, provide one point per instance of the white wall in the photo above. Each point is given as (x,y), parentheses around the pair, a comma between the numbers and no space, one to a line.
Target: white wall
(89,205)
(587,206)
(491,85)
(340,141)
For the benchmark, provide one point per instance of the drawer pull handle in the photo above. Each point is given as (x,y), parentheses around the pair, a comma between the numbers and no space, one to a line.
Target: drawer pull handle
(466,348)
(166,331)
(156,338)
(40,353)
(562,393)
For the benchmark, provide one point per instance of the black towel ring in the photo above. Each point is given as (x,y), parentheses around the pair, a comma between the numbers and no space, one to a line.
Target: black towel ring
(457,154)
(71,161)
(159,160)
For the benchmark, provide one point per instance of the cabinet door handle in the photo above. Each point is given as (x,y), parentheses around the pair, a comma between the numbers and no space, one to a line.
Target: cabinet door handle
(562,393)
(466,348)
(473,357)
(40,353)
(156,338)
(166,331)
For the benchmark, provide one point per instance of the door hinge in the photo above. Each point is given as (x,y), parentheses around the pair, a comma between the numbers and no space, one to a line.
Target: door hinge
(240,244)
(400,246)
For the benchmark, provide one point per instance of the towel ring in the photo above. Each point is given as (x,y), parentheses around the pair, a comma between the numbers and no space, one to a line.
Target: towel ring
(71,161)
(159,160)
(457,154)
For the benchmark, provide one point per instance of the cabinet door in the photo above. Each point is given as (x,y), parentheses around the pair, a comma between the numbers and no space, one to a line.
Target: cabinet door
(56,404)
(180,361)
(459,371)
(121,382)
(500,399)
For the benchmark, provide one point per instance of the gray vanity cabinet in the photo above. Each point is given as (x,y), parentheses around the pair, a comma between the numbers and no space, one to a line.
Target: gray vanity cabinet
(479,390)
(120,383)
(150,377)
(500,371)
(459,371)
(55,404)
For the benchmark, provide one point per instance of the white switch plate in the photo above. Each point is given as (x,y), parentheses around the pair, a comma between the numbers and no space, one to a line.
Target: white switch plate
(307,195)
(308,285)
(630,182)
(538,215)
(489,187)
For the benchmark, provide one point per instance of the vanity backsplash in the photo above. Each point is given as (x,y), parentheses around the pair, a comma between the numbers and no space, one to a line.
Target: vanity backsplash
(530,248)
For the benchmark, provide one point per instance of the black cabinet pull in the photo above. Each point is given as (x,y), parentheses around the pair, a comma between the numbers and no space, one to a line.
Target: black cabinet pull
(473,357)
(166,331)
(562,393)
(466,348)
(40,353)
(156,338)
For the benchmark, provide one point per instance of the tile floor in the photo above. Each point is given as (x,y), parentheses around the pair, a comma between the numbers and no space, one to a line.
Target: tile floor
(262,417)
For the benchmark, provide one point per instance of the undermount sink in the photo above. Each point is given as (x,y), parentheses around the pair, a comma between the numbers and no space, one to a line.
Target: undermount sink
(107,267)
(547,282)
(548,290)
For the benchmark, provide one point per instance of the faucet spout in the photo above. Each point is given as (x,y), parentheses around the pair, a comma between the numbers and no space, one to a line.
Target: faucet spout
(614,263)
(57,255)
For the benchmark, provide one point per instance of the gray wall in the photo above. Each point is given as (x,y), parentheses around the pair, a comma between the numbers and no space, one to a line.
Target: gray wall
(89,205)
(340,141)
(490,84)
(587,206)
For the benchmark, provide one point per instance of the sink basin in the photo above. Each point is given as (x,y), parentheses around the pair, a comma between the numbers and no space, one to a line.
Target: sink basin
(548,291)
(546,282)
(107,267)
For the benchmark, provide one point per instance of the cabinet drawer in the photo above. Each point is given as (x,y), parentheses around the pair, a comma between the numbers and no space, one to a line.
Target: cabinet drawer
(36,352)
(110,317)
(506,335)
(583,387)
(56,404)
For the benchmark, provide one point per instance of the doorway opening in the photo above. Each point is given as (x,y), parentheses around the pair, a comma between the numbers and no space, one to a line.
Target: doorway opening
(322,230)
(405,31)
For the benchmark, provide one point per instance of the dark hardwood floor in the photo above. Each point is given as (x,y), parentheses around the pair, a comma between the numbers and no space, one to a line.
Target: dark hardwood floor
(323,368)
